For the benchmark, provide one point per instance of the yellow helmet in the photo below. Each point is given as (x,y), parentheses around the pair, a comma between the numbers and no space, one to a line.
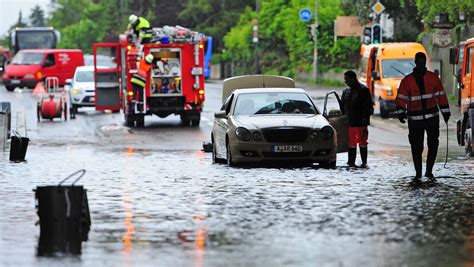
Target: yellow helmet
(132,19)
(149,58)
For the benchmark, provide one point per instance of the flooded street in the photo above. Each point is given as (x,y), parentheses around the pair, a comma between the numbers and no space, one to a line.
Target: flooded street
(157,200)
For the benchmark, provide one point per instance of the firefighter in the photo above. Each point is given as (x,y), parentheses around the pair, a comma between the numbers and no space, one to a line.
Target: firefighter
(420,97)
(139,79)
(141,28)
(357,103)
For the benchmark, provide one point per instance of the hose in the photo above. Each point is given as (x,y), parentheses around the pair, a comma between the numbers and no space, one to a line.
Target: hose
(447,145)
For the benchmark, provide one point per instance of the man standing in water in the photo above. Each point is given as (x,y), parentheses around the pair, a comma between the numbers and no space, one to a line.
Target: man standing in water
(420,97)
(357,104)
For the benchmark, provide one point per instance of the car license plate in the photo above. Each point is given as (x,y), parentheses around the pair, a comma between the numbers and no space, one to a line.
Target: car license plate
(287,148)
(15,81)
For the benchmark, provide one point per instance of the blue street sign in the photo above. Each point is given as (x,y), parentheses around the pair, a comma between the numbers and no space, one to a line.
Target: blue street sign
(305,14)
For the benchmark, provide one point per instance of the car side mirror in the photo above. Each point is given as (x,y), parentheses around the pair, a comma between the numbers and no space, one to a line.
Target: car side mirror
(221,114)
(375,76)
(334,113)
(453,55)
(69,81)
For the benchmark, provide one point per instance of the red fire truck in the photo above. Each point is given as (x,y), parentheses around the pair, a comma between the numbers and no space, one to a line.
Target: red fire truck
(175,84)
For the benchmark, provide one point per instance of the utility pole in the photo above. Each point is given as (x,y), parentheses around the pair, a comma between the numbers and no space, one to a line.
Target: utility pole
(255,37)
(315,42)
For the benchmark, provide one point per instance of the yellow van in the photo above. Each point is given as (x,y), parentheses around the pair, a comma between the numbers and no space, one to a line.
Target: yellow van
(383,66)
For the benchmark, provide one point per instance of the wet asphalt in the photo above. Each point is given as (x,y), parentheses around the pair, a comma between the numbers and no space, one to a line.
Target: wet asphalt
(157,200)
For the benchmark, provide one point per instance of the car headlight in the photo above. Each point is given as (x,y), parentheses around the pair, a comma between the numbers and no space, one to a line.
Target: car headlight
(5,75)
(313,135)
(242,133)
(257,136)
(29,76)
(327,132)
(76,91)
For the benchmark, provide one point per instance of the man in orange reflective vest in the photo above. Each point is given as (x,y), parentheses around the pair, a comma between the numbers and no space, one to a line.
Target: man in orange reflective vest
(420,97)
(139,79)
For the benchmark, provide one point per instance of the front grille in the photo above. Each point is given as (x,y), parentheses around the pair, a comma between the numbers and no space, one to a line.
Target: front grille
(286,135)
(286,154)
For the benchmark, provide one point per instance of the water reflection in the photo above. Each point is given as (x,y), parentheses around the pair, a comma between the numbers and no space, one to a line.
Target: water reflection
(128,224)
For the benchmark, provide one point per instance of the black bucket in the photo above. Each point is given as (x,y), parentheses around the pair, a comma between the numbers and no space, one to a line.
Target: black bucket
(63,216)
(18,147)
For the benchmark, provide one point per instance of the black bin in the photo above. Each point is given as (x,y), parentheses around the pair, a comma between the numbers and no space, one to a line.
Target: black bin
(18,147)
(64,218)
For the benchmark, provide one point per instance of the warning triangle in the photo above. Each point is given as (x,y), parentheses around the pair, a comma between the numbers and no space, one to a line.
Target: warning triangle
(39,89)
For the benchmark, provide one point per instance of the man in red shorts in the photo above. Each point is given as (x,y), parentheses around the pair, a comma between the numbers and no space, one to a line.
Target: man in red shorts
(357,104)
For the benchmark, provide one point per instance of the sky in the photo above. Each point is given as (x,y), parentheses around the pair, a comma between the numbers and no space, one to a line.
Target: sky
(9,10)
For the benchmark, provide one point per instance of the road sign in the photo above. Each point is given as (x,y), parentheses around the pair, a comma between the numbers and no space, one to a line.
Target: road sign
(305,14)
(378,8)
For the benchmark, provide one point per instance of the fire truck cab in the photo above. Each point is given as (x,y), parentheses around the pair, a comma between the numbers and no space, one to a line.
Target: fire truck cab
(464,56)
(175,84)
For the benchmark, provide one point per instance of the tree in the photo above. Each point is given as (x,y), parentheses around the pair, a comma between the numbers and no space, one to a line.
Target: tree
(37,17)
(213,17)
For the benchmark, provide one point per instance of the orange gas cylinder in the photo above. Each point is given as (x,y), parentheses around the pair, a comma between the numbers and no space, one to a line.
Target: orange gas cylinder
(51,108)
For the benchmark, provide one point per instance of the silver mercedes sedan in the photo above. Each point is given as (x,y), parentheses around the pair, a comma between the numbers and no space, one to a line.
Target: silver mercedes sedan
(266,119)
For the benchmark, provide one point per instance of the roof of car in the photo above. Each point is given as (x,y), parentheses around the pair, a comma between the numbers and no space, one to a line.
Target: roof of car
(269,90)
(255,81)
(88,68)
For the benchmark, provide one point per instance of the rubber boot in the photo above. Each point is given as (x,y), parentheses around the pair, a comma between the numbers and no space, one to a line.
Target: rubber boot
(430,161)
(352,156)
(418,164)
(363,156)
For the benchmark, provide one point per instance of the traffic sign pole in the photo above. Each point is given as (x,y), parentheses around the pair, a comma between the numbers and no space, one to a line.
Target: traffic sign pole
(315,43)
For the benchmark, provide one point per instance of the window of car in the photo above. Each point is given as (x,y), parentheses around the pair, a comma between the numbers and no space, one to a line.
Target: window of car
(274,103)
(49,60)
(27,58)
(84,76)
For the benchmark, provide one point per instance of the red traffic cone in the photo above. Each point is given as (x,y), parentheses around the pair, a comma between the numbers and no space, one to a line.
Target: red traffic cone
(39,89)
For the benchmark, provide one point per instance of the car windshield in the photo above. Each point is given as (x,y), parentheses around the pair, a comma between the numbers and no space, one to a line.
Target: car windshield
(23,58)
(274,103)
(397,68)
(85,76)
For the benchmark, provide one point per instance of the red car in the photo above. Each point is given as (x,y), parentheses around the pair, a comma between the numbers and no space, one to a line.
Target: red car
(31,66)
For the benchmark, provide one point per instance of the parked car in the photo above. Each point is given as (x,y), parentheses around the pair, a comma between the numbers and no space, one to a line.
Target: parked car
(31,66)
(265,118)
(81,89)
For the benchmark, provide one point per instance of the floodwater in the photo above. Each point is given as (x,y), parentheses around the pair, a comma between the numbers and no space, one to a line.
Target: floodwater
(175,208)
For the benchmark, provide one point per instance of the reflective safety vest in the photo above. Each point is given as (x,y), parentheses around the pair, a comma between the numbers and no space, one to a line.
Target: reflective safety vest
(142,28)
(139,78)
(422,105)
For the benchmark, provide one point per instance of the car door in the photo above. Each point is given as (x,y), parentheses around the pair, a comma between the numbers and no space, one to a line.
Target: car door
(221,126)
(107,78)
(339,121)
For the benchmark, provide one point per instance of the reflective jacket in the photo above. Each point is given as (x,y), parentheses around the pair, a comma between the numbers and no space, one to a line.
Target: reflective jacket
(139,78)
(141,28)
(421,103)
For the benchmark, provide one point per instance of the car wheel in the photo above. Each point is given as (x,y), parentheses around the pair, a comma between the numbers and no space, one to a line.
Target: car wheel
(65,111)
(383,112)
(10,88)
(141,121)
(195,123)
(38,112)
(129,121)
(230,161)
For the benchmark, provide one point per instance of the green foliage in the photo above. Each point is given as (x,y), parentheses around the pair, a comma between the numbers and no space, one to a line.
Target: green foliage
(284,45)
(430,8)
